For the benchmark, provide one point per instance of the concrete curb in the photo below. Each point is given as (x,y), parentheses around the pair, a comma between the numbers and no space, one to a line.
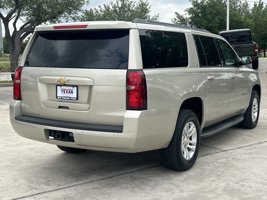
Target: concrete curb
(6,84)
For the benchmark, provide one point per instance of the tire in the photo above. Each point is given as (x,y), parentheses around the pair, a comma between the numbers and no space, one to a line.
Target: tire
(255,63)
(71,150)
(176,156)
(251,115)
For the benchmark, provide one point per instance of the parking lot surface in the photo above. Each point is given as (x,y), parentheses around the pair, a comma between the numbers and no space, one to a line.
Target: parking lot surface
(231,165)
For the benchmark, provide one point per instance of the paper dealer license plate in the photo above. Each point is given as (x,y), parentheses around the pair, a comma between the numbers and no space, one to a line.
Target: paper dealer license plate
(67,92)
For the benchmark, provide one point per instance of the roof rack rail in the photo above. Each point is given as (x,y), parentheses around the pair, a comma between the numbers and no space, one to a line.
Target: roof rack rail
(145,21)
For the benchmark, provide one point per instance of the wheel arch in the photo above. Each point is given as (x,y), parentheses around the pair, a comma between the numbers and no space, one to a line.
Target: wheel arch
(196,105)
(257,88)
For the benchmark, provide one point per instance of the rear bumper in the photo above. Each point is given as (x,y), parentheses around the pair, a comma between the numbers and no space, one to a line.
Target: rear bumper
(69,125)
(141,131)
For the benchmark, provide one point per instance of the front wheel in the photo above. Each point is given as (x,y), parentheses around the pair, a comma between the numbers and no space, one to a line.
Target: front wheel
(251,115)
(182,151)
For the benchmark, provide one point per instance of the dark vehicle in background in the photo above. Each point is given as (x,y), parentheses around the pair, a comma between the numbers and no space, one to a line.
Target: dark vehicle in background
(241,41)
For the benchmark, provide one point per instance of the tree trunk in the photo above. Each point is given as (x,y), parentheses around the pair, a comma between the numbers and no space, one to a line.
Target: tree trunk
(14,52)
(14,45)
(14,60)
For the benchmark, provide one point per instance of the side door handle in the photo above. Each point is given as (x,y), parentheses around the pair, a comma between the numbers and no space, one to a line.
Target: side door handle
(210,77)
(232,76)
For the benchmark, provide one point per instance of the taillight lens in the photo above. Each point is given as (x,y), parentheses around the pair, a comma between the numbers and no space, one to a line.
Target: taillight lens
(256,48)
(136,90)
(16,84)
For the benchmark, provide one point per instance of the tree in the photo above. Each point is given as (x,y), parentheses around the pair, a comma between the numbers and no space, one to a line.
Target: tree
(32,13)
(125,10)
(211,15)
(259,25)
(5,46)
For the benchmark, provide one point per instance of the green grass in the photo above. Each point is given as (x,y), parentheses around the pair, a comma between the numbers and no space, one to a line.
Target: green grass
(4,66)
(4,63)
(10,81)
(4,58)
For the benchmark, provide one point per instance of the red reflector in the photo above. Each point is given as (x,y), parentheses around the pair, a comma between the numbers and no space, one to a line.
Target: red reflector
(136,90)
(16,84)
(70,26)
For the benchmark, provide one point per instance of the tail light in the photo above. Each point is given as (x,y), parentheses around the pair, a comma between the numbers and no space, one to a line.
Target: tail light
(16,84)
(136,90)
(256,49)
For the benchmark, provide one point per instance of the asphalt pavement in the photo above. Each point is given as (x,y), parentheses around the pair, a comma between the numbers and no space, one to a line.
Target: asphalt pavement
(232,165)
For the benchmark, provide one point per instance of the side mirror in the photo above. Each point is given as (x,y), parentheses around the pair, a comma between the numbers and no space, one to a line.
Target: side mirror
(246,60)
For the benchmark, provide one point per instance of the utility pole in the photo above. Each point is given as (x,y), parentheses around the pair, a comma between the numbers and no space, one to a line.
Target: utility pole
(1,39)
(227,15)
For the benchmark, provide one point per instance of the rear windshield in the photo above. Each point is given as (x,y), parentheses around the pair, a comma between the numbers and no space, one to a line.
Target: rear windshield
(238,37)
(94,49)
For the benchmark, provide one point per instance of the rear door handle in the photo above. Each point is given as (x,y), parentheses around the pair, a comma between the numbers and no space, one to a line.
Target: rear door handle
(211,77)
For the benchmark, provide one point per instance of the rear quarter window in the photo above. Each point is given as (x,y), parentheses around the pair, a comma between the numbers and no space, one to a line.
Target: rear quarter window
(96,49)
(208,52)
(162,49)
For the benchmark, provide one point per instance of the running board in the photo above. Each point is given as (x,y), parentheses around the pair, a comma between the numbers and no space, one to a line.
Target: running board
(214,129)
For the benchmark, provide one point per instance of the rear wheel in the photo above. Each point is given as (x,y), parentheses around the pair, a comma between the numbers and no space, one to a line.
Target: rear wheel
(71,150)
(182,151)
(251,115)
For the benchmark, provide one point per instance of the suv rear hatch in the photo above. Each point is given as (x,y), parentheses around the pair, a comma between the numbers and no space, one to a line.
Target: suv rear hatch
(76,76)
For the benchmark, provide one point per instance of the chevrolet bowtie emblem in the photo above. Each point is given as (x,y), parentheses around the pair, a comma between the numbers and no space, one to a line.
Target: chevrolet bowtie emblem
(62,81)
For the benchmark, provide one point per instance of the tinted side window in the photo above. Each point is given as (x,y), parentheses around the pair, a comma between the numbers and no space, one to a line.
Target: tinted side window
(200,51)
(229,55)
(163,49)
(207,48)
(96,49)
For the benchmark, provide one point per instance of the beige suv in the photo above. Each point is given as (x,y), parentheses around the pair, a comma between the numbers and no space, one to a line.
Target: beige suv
(131,87)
